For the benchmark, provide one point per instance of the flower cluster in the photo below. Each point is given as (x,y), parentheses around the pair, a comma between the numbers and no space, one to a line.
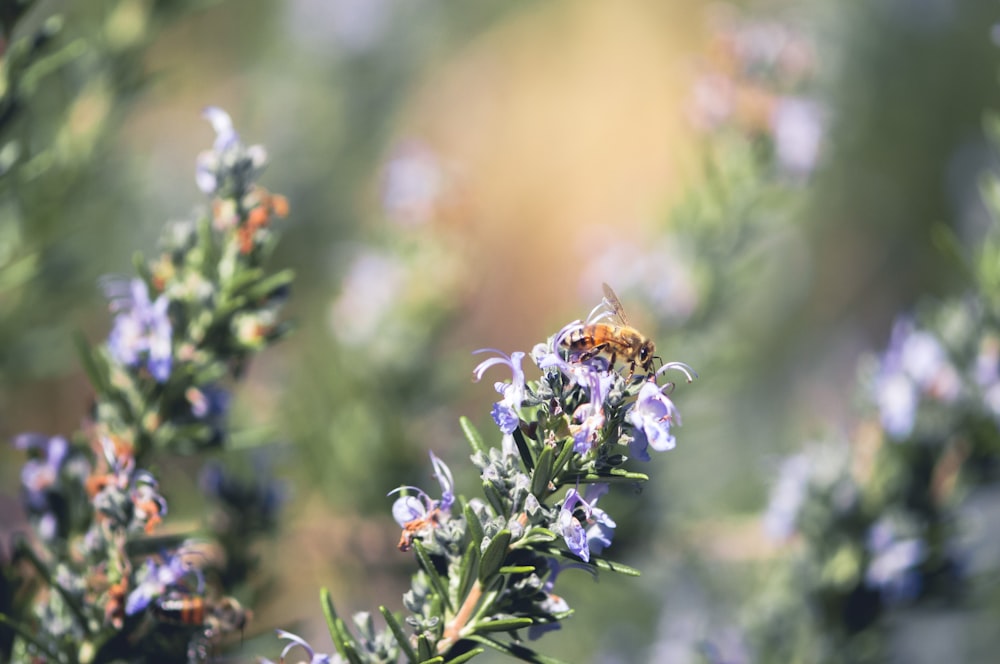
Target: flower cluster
(754,83)
(489,565)
(101,583)
(881,522)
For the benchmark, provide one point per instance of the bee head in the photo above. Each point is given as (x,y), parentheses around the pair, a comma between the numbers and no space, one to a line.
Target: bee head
(646,356)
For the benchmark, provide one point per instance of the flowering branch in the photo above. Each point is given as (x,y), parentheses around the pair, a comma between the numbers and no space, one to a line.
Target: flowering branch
(488,566)
(186,325)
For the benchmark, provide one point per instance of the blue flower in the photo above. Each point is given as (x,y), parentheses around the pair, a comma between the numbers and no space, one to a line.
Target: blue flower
(914,364)
(595,532)
(551,604)
(41,472)
(159,577)
(227,159)
(894,568)
(505,411)
(652,415)
(296,640)
(417,512)
(40,479)
(590,415)
(142,329)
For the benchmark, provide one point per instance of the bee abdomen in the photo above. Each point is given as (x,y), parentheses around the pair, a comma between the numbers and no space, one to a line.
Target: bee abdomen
(181,610)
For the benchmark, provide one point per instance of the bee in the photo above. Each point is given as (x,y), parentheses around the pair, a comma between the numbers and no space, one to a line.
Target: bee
(617,340)
(222,616)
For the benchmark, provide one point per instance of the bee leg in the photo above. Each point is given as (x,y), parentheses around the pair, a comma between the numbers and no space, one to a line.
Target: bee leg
(591,353)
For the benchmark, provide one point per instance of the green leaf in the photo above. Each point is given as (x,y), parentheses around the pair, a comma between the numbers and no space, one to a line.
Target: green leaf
(476,533)
(351,654)
(424,648)
(615,476)
(612,566)
(469,568)
(399,633)
(243,279)
(537,534)
(564,453)
(472,435)
(502,625)
(515,650)
(517,569)
(543,473)
(93,365)
(342,637)
(493,556)
(428,565)
(433,660)
(265,288)
(494,498)
(522,449)
(466,656)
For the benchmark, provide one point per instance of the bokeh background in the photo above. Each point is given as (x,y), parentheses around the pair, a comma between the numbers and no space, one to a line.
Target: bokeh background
(766,185)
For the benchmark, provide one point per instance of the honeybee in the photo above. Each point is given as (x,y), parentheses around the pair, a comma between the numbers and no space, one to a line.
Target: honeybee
(220,617)
(617,340)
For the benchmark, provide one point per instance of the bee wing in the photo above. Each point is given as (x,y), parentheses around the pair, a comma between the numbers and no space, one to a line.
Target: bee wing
(615,304)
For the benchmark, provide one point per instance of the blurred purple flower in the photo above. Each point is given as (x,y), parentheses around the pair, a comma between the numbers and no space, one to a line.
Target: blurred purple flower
(371,290)
(40,478)
(652,415)
(227,157)
(141,329)
(296,640)
(914,363)
(415,512)
(552,604)
(894,565)
(505,411)
(660,272)
(157,578)
(595,532)
(797,127)
(412,184)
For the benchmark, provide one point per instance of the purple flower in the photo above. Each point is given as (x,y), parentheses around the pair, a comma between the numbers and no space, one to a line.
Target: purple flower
(416,512)
(226,137)
(413,183)
(551,604)
(595,532)
(894,565)
(505,411)
(40,478)
(41,472)
(296,640)
(914,364)
(159,577)
(142,329)
(590,415)
(797,127)
(652,415)
(227,157)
